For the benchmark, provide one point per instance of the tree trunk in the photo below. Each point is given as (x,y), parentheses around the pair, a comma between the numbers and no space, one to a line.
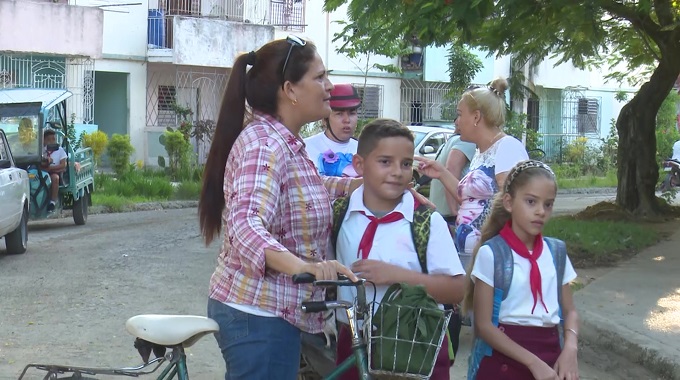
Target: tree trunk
(638,171)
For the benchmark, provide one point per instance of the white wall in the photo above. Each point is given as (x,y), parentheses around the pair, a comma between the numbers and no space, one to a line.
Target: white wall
(125,27)
(215,43)
(56,29)
(136,99)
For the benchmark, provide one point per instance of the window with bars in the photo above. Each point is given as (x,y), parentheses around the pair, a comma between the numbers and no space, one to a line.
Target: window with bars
(371,101)
(167,95)
(588,116)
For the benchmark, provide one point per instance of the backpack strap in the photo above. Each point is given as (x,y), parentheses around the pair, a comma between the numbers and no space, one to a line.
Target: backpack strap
(558,249)
(340,207)
(420,232)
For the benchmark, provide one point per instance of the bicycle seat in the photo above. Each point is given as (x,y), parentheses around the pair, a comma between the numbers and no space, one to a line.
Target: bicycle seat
(171,330)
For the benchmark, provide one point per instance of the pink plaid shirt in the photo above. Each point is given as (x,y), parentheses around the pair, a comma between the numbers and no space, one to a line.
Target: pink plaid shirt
(274,199)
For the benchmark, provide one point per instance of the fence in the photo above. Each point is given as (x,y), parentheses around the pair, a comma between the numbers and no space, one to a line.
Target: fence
(75,74)
(286,14)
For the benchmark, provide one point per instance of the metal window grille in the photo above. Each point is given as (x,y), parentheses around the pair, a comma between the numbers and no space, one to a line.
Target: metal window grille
(426,101)
(75,74)
(371,100)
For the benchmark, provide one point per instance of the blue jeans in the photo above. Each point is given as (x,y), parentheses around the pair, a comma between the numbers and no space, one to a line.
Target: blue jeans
(254,347)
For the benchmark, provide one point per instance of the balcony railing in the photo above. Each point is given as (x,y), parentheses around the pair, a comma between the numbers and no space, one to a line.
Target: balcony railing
(285,14)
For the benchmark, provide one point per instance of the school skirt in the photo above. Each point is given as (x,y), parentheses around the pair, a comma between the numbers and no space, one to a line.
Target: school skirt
(543,342)
(344,350)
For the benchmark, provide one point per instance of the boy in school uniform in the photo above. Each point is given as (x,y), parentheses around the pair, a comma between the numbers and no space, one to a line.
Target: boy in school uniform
(375,240)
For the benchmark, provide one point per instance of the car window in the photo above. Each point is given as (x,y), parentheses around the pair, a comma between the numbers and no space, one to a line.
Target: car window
(418,136)
(436,140)
(4,154)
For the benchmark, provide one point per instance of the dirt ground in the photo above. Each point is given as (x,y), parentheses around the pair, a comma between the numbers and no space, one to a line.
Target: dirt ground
(67,299)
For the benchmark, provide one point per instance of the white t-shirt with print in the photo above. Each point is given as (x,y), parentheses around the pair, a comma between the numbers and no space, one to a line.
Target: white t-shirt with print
(319,144)
(516,308)
(393,244)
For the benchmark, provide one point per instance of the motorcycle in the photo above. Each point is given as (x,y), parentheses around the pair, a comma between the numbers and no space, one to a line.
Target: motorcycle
(672,180)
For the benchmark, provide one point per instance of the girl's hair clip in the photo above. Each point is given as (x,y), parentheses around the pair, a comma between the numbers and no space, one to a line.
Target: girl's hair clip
(522,166)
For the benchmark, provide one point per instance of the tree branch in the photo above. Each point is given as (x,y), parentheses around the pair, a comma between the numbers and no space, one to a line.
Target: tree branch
(664,12)
(640,21)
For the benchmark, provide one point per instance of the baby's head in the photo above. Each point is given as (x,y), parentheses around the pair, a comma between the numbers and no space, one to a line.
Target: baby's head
(385,159)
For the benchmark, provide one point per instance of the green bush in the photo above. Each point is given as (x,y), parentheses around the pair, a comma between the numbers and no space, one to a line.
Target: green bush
(188,190)
(516,125)
(120,151)
(667,126)
(179,152)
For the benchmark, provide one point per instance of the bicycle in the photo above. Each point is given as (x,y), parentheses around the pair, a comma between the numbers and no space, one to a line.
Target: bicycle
(363,339)
(153,333)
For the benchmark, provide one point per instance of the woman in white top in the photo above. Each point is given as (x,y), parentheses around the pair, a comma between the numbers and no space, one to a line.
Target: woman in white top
(332,150)
(481,115)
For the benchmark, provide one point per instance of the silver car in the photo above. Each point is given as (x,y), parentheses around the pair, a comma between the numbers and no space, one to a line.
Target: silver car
(429,139)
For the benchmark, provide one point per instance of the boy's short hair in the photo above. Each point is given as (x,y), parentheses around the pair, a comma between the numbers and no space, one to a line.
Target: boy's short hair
(49,132)
(379,129)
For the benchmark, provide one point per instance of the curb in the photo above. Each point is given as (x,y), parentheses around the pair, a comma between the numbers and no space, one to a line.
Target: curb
(598,331)
(147,206)
(589,190)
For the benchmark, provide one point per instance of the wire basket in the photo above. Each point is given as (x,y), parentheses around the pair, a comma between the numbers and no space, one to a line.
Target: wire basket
(409,350)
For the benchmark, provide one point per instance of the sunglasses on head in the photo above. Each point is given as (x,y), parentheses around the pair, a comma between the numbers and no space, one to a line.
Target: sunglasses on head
(293,41)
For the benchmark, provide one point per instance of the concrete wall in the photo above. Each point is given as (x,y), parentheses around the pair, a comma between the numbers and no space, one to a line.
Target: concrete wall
(49,28)
(215,43)
(124,32)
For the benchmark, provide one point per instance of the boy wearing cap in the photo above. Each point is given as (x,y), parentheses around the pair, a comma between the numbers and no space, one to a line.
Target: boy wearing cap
(332,150)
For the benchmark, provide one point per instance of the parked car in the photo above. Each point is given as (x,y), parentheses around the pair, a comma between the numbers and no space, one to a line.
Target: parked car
(14,201)
(429,139)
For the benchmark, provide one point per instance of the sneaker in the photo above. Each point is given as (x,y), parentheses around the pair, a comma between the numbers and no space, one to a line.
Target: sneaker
(50,207)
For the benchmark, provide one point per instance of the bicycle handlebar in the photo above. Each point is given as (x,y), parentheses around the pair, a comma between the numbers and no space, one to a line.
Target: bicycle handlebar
(308,278)
(318,306)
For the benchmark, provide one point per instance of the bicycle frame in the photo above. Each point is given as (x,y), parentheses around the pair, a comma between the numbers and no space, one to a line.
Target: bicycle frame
(355,311)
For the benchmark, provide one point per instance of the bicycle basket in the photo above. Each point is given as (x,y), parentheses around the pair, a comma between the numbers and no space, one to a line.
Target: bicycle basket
(405,349)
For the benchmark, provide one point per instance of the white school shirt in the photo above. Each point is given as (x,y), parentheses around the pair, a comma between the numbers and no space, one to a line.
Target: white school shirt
(393,244)
(56,156)
(516,308)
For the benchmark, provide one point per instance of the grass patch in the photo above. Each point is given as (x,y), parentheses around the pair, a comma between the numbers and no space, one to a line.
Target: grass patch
(601,243)
(609,180)
(188,190)
(115,203)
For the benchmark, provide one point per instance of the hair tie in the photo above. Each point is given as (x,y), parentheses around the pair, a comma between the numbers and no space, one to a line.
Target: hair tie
(495,91)
(522,166)
(251,58)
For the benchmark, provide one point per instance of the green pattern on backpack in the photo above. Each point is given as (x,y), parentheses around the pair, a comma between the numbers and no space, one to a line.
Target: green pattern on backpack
(420,228)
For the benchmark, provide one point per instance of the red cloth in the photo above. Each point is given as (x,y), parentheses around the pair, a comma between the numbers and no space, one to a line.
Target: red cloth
(344,350)
(518,246)
(543,342)
(367,240)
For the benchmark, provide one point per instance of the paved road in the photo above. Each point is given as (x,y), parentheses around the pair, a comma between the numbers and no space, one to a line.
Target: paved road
(67,299)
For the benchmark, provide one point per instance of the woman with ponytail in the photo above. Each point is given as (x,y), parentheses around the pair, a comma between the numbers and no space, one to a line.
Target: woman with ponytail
(262,192)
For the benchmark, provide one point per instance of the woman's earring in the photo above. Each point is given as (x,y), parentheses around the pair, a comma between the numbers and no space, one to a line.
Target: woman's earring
(294,102)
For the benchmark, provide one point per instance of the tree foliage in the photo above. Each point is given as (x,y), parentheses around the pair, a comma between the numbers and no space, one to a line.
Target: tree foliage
(639,39)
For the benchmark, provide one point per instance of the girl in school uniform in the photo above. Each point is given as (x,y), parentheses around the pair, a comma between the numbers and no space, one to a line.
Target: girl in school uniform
(525,344)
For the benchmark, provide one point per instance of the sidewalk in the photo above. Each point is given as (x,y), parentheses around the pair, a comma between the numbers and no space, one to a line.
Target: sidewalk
(634,310)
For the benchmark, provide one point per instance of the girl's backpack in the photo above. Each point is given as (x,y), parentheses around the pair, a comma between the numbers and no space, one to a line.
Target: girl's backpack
(503,271)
